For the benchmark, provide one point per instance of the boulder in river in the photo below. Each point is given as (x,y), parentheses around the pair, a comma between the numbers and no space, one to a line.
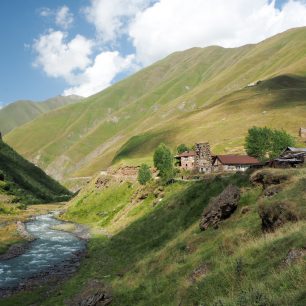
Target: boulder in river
(220,208)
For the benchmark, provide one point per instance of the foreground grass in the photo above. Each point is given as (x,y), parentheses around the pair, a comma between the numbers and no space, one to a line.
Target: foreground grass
(158,256)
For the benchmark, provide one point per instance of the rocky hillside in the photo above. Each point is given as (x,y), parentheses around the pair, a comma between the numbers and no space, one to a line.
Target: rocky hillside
(199,94)
(20,112)
(23,182)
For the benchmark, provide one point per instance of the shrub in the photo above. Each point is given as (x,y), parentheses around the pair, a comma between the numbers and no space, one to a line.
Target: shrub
(182,148)
(144,174)
(163,161)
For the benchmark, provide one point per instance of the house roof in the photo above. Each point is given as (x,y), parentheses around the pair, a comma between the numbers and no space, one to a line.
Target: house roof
(186,154)
(292,149)
(237,160)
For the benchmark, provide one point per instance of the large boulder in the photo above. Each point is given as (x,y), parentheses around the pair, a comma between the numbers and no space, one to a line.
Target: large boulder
(94,293)
(274,215)
(267,178)
(220,208)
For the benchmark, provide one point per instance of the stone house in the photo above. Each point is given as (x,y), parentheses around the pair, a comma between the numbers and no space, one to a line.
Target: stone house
(199,160)
(186,160)
(233,163)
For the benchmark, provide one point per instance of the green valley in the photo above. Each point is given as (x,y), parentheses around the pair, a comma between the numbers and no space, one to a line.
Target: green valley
(152,253)
(198,94)
(23,182)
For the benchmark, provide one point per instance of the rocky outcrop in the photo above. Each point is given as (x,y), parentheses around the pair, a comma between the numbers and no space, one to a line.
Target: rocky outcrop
(268,178)
(103,182)
(274,215)
(295,255)
(94,293)
(220,208)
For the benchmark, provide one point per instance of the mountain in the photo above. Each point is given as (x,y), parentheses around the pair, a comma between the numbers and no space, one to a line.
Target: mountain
(23,111)
(201,94)
(21,181)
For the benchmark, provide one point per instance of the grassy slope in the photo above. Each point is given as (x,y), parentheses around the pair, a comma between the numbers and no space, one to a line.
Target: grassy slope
(198,94)
(26,182)
(23,111)
(155,250)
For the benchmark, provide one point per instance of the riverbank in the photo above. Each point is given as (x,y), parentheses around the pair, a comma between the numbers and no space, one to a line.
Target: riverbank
(54,274)
(13,239)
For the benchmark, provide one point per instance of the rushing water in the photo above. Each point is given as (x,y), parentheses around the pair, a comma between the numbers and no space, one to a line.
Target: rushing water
(50,248)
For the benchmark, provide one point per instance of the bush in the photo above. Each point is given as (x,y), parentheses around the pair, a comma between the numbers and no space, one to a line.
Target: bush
(163,161)
(144,174)
(182,148)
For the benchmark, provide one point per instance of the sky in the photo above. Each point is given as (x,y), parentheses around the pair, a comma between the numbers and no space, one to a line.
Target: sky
(63,47)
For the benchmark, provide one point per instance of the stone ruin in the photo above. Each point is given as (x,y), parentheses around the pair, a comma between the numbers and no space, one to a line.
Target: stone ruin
(203,158)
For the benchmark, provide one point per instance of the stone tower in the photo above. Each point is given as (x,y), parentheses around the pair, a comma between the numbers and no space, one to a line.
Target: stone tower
(203,158)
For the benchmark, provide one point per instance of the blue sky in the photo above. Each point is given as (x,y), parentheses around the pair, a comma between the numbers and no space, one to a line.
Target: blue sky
(97,42)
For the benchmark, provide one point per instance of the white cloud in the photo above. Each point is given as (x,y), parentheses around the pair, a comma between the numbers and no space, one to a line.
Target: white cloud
(172,25)
(110,18)
(100,75)
(61,58)
(45,12)
(63,17)
(155,30)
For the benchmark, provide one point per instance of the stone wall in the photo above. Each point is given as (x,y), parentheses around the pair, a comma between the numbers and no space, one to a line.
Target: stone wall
(203,158)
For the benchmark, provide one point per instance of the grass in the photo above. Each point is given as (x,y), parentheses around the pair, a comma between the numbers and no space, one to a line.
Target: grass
(25,182)
(23,111)
(195,95)
(156,254)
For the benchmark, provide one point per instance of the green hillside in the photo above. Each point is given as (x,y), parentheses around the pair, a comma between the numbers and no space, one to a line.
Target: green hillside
(195,95)
(155,253)
(23,182)
(23,111)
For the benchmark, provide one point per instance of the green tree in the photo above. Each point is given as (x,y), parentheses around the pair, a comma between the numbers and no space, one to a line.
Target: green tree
(264,143)
(144,174)
(182,148)
(163,161)
(281,140)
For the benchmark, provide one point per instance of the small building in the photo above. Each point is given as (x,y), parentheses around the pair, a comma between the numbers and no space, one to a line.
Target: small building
(302,132)
(234,163)
(290,157)
(186,160)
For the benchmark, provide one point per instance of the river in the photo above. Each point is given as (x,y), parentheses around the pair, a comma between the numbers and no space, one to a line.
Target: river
(50,248)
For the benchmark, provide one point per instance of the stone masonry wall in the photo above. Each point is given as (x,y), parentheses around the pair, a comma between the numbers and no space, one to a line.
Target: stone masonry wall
(203,159)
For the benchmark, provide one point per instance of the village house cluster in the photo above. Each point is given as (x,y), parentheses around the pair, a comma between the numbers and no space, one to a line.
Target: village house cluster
(203,161)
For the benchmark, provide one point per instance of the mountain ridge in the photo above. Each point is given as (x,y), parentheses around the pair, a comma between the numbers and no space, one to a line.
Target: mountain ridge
(23,111)
(183,98)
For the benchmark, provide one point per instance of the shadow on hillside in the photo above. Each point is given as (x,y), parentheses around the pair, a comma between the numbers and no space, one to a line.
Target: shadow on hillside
(152,232)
